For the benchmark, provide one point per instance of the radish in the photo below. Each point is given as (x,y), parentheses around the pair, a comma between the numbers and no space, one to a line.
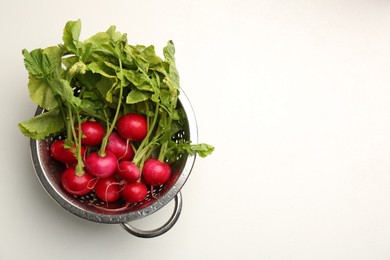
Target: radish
(120,147)
(128,171)
(92,133)
(132,126)
(101,165)
(107,189)
(76,184)
(156,172)
(134,192)
(64,154)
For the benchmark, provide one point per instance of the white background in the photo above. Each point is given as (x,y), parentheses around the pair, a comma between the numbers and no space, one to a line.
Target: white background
(294,95)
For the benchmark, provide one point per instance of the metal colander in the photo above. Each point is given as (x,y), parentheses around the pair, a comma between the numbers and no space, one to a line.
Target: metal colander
(91,208)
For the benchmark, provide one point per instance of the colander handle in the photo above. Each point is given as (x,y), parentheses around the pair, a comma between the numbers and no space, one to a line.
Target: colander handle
(161,230)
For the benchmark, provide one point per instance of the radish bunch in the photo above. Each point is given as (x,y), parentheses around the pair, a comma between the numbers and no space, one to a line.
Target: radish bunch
(112,175)
(117,106)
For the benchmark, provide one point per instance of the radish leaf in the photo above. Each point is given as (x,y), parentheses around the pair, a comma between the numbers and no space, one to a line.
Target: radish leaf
(43,125)
(71,36)
(41,93)
(136,96)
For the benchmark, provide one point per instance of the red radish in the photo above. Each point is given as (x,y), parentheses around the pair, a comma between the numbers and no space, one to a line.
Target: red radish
(128,171)
(132,126)
(75,184)
(107,189)
(63,154)
(101,166)
(134,192)
(120,147)
(92,133)
(156,172)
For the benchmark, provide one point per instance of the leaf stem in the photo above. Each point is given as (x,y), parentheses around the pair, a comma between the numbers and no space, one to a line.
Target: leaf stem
(102,150)
(77,139)
(69,135)
(145,144)
(164,146)
(80,164)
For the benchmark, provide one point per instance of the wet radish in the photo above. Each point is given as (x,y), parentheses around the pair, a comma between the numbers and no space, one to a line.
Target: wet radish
(128,171)
(101,165)
(156,172)
(107,189)
(63,154)
(132,126)
(120,147)
(76,184)
(134,192)
(92,133)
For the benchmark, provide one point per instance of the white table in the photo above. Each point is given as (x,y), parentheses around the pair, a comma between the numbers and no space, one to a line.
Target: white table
(294,95)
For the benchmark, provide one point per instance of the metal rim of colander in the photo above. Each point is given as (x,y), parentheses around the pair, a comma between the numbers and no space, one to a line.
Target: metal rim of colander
(117,218)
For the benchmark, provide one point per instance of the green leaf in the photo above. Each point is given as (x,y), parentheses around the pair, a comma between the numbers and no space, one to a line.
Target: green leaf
(136,96)
(90,108)
(77,68)
(99,38)
(165,99)
(149,54)
(139,79)
(169,52)
(71,35)
(172,79)
(41,93)
(108,82)
(134,53)
(106,86)
(176,149)
(43,125)
(54,54)
(94,43)
(202,150)
(37,63)
(63,89)
(43,63)
(114,35)
(102,69)
(88,80)
(86,51)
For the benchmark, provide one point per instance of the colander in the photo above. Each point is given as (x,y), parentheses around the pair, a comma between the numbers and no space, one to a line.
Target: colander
(91,208)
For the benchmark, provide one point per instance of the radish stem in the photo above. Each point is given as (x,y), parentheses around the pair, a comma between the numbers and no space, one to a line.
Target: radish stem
(102,150)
